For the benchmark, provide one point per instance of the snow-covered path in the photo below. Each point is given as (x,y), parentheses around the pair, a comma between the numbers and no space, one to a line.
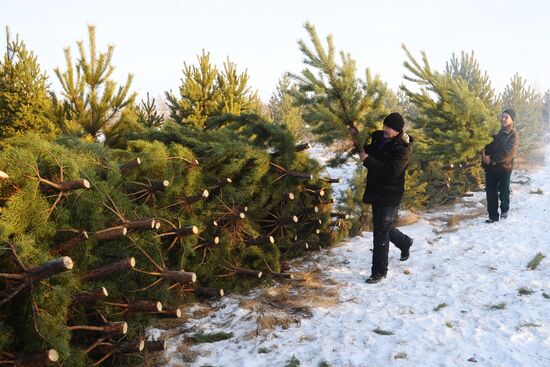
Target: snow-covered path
(455,302)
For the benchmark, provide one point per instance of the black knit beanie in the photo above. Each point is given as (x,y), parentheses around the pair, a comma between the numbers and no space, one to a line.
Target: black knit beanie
(511,113)
(395,121)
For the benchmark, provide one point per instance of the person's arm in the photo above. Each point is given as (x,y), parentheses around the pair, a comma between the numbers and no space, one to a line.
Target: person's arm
(368,149)
(394,168)
(508,152)
(486,158)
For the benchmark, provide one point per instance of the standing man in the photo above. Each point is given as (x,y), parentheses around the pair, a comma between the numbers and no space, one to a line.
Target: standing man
(386,158)
(498,161)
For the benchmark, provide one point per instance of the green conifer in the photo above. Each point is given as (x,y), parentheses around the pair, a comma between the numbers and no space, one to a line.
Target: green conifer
(546,111)
(236,96)
(23,92)
(457,115)
(284,109)
(338,105)
(93,100)
(206,92)
(199,95)
(147,113)
(528,105)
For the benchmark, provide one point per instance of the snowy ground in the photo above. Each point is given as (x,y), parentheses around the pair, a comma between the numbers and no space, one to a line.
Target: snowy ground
(455,302)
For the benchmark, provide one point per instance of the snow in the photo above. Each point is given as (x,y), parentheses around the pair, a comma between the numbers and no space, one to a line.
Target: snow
(471,268)
(343,172)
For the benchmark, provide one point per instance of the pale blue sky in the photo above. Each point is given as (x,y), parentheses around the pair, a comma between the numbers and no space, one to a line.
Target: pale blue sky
(154,38)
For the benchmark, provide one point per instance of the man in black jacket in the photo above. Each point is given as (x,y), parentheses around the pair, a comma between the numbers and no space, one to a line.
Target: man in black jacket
(386,158)
(498,161)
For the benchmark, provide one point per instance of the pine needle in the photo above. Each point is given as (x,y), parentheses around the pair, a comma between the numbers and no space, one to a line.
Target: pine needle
(498,306)
(202,337)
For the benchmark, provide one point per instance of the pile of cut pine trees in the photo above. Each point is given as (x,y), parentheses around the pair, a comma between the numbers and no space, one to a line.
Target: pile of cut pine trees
(96,243)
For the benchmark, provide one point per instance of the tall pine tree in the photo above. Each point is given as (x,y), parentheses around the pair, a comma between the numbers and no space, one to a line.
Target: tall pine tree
(199,95)
(23,92)
(236,94)
(147,113)
(206,92)
(284,111)
(528,105)
(92,100)
(457,114)
(546,111)
(339,105)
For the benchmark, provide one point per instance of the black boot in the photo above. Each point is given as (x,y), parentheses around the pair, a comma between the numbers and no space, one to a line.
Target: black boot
(375,278)
(405,253)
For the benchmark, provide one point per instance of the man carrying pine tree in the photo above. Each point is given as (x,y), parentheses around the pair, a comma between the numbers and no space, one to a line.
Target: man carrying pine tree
(498,161)
(386,158)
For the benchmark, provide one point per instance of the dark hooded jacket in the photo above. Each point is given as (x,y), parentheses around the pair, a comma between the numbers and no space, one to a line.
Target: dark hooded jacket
(502,151)
(386,163)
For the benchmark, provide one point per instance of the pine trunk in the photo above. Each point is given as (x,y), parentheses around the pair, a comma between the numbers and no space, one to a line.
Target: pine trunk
(144,306)
(158,186)
(179,276)
(129,347)
(69,244)
(38,360)
(248,272)
(87,298)
(209,292)
(115,329)
(140,225)
(48,269)
(156,345)
(110,233)
(65,186)
(169,314)
(111,329)
(109,269)
(331,180)
(128,166)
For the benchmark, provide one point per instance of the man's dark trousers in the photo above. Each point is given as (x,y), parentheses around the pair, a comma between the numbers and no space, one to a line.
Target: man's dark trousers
(383,219)
(497,186)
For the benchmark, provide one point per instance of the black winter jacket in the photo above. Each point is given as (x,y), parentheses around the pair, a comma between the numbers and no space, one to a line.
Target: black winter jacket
(386,164)
(502,151)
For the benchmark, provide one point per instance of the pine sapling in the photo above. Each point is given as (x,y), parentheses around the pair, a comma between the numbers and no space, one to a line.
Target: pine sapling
(202,337)
(293,362)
